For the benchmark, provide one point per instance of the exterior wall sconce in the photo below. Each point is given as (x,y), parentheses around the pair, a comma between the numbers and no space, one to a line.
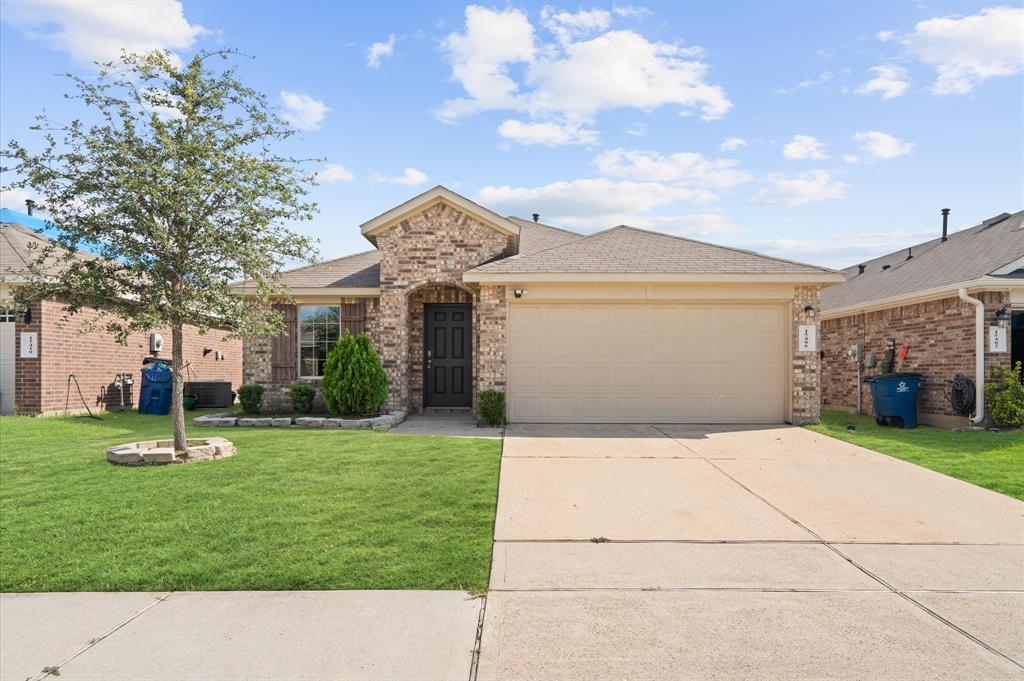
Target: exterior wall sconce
(519,292)
(809,310)
(26,315)
(1003,317)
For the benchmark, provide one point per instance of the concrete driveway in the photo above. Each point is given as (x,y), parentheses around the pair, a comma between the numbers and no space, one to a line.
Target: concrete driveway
(681,552)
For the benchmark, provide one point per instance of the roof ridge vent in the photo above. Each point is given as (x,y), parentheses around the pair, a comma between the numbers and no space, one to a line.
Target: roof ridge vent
(996,220)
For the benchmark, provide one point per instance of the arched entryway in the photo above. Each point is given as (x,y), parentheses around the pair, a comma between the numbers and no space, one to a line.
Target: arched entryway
(441,351)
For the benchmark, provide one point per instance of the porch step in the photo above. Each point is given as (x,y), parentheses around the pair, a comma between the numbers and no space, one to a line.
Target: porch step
(446,410)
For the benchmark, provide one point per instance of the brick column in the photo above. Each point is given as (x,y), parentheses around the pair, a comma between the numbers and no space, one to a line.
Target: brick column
(491,320)
(806,398)
(393,346)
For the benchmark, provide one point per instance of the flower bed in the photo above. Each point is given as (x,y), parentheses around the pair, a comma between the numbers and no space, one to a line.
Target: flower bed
(382,422)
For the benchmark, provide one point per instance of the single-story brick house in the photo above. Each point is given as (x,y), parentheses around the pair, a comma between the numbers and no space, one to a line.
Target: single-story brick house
(41,349)
(914,297)
(625,325)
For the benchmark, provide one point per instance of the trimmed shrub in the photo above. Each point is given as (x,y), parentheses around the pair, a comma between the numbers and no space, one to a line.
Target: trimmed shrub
(1005,396)
(302,397)
(492,406)
(251,397)
(354,380)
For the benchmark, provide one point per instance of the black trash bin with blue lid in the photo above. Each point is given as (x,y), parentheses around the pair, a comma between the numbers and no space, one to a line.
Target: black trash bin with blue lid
(156,390)
(895,398)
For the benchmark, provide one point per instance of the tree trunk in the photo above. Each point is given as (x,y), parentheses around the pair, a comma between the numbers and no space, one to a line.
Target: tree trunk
(178,389)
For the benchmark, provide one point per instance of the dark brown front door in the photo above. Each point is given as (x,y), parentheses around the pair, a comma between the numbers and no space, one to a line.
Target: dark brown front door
(447,354)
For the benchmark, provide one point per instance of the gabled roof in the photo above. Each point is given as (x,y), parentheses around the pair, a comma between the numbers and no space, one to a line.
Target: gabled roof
(21,246)
(359,272)
(438,194)
(536,236)
(632,251)
(965,256)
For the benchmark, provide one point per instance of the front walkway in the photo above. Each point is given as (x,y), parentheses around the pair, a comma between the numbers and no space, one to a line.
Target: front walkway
(238,636)
(679,552)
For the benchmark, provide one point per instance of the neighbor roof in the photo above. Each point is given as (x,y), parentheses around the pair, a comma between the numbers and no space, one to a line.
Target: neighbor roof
(358,271)
(966,256)
(630,250)
(21,245)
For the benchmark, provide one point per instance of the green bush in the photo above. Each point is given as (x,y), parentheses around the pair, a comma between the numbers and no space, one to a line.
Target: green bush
(251,397)
(1005,396)
(492,406)
(354,381)
(302,398)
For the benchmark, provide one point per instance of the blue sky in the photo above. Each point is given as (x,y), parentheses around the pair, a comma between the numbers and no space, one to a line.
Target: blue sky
(823,132)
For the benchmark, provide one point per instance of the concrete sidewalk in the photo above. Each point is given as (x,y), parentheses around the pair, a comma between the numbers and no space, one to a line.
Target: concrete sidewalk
(681,552)
(243,636)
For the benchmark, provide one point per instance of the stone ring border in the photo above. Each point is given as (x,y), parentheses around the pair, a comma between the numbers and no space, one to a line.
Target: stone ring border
(161,452)
(383,422)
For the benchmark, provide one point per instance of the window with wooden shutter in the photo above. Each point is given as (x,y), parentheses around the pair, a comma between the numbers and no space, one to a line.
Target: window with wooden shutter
(283,348)
(353,317)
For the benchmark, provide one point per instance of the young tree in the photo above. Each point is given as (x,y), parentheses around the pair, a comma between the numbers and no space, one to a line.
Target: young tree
(176,184)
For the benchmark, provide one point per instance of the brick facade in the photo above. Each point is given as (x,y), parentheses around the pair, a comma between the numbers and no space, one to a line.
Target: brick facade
(806,395)
(68,346)
(940,335)
(256,367)
(424,256)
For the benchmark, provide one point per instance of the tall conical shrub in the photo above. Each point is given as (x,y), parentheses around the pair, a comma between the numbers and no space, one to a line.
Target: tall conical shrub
(354,380)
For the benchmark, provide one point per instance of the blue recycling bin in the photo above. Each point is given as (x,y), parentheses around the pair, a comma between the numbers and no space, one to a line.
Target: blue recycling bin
(156,390)
(895,399)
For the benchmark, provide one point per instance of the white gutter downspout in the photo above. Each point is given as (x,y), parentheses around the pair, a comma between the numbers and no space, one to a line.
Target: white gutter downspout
(979,354)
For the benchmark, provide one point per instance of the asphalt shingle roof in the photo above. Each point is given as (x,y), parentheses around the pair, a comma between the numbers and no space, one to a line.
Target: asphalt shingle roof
(360,270)
(965,256)
(21,246)
(628,249)
(536,236)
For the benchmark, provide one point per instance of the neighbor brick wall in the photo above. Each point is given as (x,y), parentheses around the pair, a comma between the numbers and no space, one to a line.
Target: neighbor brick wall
(806,396)
(67,345)
(940,335)
(256,365)
(433,246)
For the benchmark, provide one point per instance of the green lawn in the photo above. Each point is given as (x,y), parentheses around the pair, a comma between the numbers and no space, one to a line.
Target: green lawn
(296,509)
(992,460)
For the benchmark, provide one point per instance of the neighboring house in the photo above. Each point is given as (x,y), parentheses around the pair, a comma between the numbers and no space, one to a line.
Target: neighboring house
(38,356)
(912,296)
(624,325)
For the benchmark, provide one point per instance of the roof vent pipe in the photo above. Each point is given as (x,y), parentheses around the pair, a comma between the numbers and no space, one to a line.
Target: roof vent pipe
(945,223)
(910,253)
(30,206)
(536,217)
(861,268)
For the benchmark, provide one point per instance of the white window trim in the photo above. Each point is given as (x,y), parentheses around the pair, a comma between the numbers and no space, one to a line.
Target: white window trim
(298,340)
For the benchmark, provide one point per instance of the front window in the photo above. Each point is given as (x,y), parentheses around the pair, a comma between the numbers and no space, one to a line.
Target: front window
(319,326)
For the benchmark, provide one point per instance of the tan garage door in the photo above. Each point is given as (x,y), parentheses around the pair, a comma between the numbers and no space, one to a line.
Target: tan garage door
(684,363)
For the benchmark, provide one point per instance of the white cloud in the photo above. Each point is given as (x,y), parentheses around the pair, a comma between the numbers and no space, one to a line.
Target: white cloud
(548,133)
(885,36)
(691,169)
(633,11)
(96,30)
(378,51)
(637,129)
(568,26)
(302,111)
(579,199)
(880,145)
(14,199)
(333,172)
(804,147)
(890,81)
(502,66)
(410,177)
(732,143)
(966,51)
(797,189)
(851,158)
(821,79)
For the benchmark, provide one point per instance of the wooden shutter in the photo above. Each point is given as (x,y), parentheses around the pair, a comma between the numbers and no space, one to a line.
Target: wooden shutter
(353,317)
(284,352)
